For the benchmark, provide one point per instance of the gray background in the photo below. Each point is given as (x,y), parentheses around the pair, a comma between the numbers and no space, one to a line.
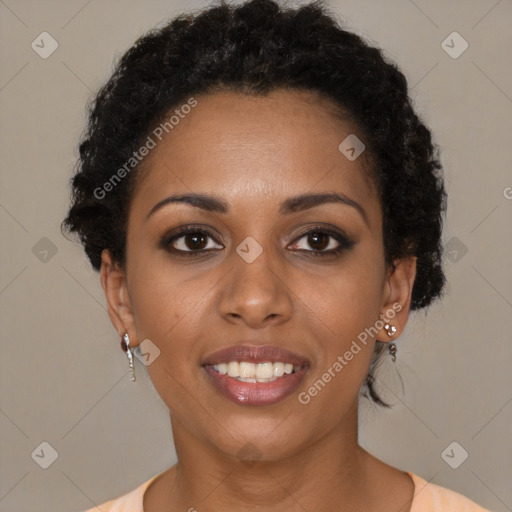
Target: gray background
(64,379)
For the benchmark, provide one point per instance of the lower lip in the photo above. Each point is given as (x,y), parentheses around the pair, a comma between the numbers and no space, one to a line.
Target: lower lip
(255,393)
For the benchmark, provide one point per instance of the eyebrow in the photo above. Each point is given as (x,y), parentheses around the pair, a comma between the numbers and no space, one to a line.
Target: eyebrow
(290,205)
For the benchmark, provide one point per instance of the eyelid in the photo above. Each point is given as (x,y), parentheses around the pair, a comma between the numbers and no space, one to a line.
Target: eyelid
(182,231)
(324,228)
(343,240)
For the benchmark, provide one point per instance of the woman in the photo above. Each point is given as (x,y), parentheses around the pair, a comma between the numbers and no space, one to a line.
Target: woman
(264,208)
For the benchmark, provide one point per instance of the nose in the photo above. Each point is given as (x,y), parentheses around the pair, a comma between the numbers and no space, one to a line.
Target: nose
(256,293)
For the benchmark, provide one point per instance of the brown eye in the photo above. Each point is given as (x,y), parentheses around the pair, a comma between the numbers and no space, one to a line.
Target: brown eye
(323,242)
(195,241)
(190,242)
(318,240)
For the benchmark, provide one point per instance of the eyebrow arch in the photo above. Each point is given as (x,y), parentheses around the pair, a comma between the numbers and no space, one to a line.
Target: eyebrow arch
(291,205)
(306,201)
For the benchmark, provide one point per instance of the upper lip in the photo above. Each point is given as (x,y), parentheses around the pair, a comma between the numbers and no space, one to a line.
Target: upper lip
(255,354)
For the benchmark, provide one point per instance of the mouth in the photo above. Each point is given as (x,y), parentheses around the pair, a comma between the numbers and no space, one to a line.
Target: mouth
(250,375)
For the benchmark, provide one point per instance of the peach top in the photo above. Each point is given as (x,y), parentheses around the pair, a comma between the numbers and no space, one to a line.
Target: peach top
(428,497)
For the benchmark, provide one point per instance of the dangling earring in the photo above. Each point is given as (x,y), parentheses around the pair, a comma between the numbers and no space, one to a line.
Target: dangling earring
(391,330)
(125,345)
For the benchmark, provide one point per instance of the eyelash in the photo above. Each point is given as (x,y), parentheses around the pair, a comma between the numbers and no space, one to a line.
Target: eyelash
(343,241)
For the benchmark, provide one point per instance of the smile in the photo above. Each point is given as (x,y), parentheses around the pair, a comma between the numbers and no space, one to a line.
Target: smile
(255,376)
(251,372)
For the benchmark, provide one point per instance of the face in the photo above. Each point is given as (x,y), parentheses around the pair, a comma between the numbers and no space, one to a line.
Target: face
(260,270)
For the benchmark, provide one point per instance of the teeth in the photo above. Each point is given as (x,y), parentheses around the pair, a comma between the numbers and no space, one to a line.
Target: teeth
(243,379)
(278,369)
(222,368)
(247,370)
(233,369)
(252,372)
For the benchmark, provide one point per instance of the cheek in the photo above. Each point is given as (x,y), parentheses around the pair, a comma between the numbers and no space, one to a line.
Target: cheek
(172,312)
(349,299)
(169,311)
(344,308)
(164,314)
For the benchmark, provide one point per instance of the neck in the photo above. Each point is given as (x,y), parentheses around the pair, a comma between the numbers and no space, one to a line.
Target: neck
(330,474)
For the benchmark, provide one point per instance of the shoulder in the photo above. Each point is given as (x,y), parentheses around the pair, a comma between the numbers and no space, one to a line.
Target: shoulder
(430,497)
(130,502)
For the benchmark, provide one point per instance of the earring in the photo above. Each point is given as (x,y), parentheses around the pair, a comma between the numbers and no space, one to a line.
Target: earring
(125,345)
(393,350)
(391,330)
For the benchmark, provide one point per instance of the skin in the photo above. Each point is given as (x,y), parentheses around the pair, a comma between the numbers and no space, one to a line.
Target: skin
(255,152)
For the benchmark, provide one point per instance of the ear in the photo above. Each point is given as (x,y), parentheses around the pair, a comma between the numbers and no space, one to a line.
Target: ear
(397,297)
(113,281)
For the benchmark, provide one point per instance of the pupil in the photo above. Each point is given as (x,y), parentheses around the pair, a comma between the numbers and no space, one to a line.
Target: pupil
(195,237)
(313,240)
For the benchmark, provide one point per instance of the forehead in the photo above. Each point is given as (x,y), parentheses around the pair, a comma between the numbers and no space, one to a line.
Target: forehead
(255,150)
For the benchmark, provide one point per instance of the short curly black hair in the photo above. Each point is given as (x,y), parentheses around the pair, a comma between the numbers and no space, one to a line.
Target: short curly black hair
(254,48)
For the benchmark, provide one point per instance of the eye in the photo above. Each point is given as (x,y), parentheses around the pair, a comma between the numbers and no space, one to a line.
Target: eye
(325,242)
(189,241)
(195,241)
